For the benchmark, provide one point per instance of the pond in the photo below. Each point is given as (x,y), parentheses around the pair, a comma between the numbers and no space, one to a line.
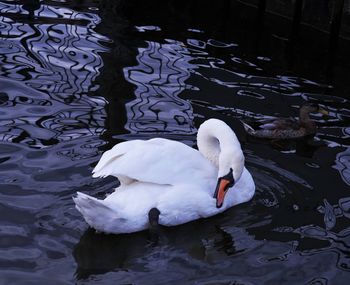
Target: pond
(78,77)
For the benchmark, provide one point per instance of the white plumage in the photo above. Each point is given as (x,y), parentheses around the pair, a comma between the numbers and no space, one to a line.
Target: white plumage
(168,175)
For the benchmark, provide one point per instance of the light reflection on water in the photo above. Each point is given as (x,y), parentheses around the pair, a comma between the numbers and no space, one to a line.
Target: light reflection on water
(160,77)
(53,129)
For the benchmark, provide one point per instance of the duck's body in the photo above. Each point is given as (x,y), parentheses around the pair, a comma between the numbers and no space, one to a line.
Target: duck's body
(285,128)
(278,128)
(163,174)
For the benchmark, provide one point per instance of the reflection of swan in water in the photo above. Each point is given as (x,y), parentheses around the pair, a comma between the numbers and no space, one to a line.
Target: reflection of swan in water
(98,253)
(202,244)
(170,179)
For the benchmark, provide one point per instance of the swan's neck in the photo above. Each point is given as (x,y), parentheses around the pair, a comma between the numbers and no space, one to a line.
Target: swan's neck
(219,144)
(209,146)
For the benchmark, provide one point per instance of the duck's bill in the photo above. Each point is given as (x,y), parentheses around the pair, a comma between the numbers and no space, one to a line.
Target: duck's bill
(323,112)
(221,190)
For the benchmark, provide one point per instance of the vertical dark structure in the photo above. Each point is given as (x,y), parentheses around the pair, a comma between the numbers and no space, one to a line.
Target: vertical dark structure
(294,34)
(31,6)
(334,36)
(260,16)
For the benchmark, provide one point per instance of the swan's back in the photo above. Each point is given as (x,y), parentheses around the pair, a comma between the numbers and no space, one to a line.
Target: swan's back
(158,161)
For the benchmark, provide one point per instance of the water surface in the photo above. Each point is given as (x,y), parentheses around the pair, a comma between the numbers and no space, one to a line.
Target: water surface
(77,77)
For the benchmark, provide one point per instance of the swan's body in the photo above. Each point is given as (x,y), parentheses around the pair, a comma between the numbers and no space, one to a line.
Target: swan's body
(174,178)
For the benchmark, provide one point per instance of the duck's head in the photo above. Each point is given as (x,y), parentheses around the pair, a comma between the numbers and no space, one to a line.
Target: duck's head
(312,108)
(219,144)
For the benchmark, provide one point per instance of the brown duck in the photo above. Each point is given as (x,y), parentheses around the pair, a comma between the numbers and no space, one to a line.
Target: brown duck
(286,128)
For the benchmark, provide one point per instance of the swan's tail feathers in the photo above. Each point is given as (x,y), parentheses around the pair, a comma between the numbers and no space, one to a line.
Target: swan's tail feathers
(248,128)
(98,215)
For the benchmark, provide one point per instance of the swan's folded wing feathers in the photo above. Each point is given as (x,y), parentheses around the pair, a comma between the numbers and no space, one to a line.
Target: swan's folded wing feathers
(157,161)
(102,169)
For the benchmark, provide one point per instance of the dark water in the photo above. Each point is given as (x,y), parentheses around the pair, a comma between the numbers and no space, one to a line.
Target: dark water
(76,77)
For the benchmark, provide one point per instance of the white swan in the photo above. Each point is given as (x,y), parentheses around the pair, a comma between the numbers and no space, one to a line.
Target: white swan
(182,183)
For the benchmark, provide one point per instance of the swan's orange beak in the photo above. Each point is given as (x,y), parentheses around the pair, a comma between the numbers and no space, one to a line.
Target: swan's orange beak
(224,183)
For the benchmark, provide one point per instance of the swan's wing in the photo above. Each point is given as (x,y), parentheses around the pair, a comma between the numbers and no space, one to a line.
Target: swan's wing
(159,161)
(105,164)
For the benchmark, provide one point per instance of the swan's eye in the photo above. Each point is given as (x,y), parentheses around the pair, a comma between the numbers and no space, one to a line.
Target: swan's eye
(229,177)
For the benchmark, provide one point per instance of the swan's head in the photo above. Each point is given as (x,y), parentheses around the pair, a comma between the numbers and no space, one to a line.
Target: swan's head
(231,165)
(219,144)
